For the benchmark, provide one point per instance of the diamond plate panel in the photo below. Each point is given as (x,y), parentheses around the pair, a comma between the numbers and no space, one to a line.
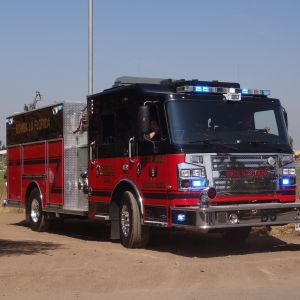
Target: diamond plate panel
(72,115)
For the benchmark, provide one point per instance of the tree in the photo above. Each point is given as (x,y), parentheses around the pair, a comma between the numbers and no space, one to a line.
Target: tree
(2,147)
(291,140)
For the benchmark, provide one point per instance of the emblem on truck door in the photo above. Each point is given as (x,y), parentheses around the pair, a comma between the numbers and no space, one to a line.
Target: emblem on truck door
(152,172)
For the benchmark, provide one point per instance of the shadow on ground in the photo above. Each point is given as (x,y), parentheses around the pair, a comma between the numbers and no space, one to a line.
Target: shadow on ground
(193,244)
(11,248)
(187,244)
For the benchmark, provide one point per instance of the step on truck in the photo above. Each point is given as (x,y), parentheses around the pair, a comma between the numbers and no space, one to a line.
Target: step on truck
(195,155)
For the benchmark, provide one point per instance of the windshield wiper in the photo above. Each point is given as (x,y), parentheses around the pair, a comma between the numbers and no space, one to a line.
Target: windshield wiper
(263,144)
(209,142)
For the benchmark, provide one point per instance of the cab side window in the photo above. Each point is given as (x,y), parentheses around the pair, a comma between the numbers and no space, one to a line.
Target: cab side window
(107,129)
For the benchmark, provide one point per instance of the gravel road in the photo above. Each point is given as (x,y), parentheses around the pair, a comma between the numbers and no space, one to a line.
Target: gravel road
(80,262)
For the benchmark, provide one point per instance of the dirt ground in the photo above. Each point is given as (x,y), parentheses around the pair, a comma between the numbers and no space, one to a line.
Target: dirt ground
(82,263)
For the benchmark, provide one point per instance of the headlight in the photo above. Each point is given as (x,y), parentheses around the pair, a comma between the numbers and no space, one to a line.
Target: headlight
(292,171)
(191,177)
(197,173)
(285,171)
(192,173)
(288,171)
(185,173)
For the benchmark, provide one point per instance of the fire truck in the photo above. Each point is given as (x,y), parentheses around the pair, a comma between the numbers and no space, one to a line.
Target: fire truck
(200,169)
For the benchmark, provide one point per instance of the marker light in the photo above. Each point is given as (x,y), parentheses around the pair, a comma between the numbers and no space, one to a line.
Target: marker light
(180,218)
(211,193)
(10,121)
(196,159)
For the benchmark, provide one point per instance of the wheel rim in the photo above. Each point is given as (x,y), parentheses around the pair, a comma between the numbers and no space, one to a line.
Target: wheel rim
(35,210)
(125,220)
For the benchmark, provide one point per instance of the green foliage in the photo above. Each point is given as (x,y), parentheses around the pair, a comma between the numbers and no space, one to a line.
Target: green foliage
(291,141)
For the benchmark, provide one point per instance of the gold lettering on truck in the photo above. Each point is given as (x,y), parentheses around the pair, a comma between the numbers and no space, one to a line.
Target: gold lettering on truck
(34,125)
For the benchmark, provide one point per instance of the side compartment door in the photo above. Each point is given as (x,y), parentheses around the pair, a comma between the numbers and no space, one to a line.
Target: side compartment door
(55,174)
(14,174)
(34,166)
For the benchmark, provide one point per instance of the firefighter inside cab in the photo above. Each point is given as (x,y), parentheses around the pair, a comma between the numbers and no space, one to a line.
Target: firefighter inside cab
(248,124)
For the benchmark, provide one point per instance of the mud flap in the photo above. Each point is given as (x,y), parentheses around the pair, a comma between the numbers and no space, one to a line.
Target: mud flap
(114,221)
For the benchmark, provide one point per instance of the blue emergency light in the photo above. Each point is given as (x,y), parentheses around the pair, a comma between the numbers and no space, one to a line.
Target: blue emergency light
(180,217)
(220,90)
(285,181)
(198,183)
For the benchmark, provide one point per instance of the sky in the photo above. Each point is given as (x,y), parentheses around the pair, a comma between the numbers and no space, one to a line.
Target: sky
(44,47)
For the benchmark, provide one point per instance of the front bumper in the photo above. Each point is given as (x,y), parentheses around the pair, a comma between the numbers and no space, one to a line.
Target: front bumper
(241,215)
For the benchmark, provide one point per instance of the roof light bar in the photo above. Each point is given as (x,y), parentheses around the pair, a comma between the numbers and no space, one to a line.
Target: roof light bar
(220,90)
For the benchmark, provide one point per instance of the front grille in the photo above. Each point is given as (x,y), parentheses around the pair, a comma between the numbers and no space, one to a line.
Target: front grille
(244,185)
(240,164)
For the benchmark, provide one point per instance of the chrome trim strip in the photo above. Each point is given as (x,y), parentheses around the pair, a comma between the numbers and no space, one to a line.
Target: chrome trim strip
(14,202)
(246,215)
(15,206)
(156,223)
(102,217)
(239,207)
(140,199)
(233,225)
(67,211)
(34,176)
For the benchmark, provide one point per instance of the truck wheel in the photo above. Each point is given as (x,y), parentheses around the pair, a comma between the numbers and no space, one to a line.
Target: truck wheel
(236,235)
(37,219)
(133,233)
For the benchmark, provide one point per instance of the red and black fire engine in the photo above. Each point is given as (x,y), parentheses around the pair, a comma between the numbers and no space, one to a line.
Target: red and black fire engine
(218,158)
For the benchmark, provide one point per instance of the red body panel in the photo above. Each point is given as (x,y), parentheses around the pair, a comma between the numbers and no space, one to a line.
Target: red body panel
(157,182)
(41,163)
(14,173)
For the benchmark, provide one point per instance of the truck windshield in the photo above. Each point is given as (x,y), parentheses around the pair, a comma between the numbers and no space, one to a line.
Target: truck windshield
(217,122)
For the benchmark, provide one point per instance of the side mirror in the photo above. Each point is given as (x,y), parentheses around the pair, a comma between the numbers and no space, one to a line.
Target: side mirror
(144,119)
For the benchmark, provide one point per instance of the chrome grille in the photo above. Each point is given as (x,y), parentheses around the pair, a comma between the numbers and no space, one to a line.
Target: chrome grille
(242,162)
(243,184)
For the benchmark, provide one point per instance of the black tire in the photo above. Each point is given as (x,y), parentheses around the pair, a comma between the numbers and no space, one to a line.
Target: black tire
(236,235)
(133,234)
(37,218)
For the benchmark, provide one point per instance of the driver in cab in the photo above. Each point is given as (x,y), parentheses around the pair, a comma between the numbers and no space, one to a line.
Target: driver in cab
(247,124)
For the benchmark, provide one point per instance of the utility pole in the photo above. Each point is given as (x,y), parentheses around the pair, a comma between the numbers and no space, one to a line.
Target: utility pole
(90,48)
